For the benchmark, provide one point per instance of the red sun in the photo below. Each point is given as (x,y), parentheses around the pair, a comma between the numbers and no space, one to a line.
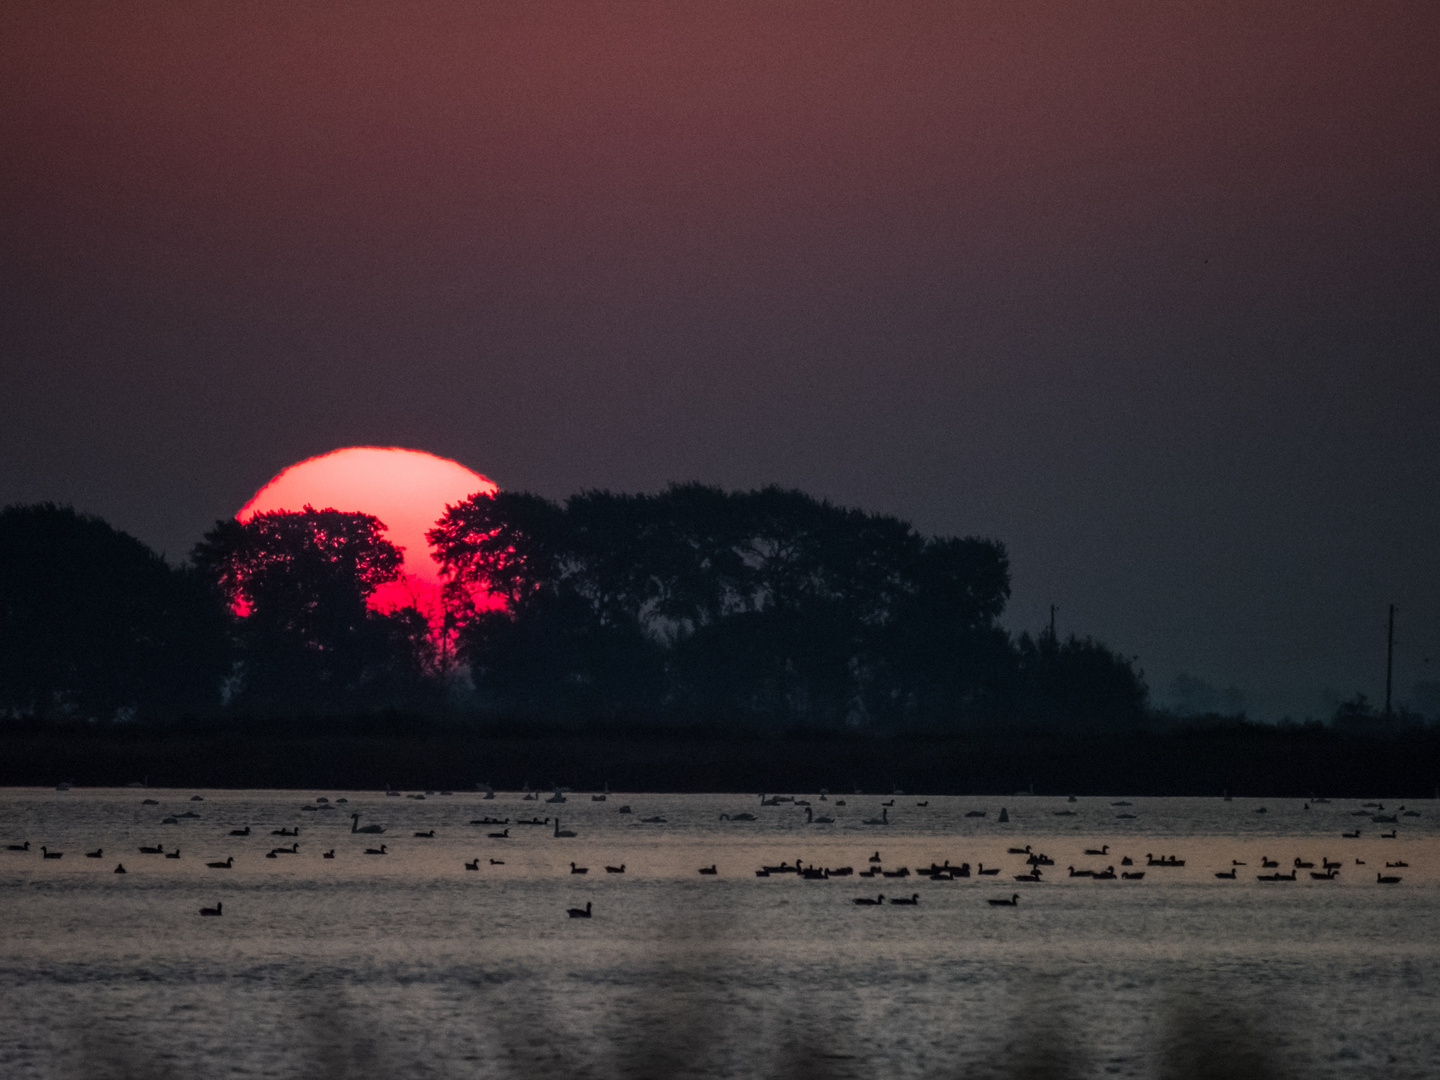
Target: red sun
(408,490)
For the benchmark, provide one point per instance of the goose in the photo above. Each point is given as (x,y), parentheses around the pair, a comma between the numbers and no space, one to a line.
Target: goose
(158,849)
(1268,863)
(293,849)
(865,901)
(1138,875)
(1303,865)
(890,803)
(212,910)
(1108,874)
(226,865)
(1327,864)
(656,820)
(497,862)
(1226,874)
(615,869)
(376,851)
(19,847)
(1127,861)
(173,854)
(579,869)
(240,832)
(48,854)
(498,835)
(579,913)
(473,865)
(1014,901)
(329,854)
(1277,876)
(271,855)
(1034,875)
(1237,862)
(425,835)
(883,819)
(1359,862)
(1019,850)
(1328,875)
(97,853)
(1104,850)
(1396,864)
(1350,835)
(119,869)
(925,803)
(875,857)
(373,830)
(1384,879)
(559,832)
(1080,873)
(709,869)
(598,798)
(987,873)
(914,899)
(282,831)
(738,817)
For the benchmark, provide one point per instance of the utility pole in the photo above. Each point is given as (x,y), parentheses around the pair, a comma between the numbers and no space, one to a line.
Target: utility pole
(1389,660)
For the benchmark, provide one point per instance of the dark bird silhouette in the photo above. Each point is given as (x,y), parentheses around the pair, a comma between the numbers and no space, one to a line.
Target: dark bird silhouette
(120,869)
(914,899)
(173,854)
(1384,879)
(579,913)
(19,847)
(709,869)
(376,851)
(473,865)
(329,854)
(1014,901)
(212,910)
(48,854)
(579,869)
(240,832)
(1104,850)
(95,854)
(615,869)
(425,835)
(226,865)
(865,901)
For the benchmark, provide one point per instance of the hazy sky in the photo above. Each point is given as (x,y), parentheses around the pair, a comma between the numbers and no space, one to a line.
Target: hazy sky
(1150,292)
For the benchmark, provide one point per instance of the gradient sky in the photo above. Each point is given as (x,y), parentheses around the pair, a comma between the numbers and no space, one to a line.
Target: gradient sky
(1151,292)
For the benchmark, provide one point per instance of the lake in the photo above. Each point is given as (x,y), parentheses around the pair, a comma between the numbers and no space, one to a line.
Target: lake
(408,964)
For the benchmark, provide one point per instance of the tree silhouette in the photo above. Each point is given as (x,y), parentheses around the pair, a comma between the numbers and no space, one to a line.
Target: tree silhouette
(300,584)
(93,622)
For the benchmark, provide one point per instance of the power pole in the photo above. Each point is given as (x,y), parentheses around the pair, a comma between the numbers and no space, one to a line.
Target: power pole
(1389,660)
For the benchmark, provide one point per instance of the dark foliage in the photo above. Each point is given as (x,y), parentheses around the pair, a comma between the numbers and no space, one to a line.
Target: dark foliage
(94,624)
(299,584)
(702,605)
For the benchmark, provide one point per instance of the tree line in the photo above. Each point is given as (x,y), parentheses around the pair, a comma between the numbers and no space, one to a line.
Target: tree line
(750,610)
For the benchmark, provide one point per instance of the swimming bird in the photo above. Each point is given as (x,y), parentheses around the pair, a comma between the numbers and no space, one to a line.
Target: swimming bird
(1014,901)
(1277,876)
(709,869)
(240,832)
(1127,861)
(1328,875)
(1388,835)
(615,869)
(173,854)
(1268,863)
(914,899)
(1397,863)
(987,873)
(976,813)
(562,832)
(1304,865)
(158,849)
(293,849)
(212,910)
(376,851)
(579,869)
(1020,850)
(329,854)
(925,803)
(95,854)
(865,901)
(1223,874)
(883,819)
(656,820)
(1108,874)
(1351,835)
(738,817)
(498,835)
(1136,876)
(890,803)
(226,865)
(579,913)
(1383,879)
(373,830)
(120,869)
(1034,875)
(48,854)
(497,862)
(473,865)
(19,847)
(282,831)
(1104,850)
(425,835)
(875,857)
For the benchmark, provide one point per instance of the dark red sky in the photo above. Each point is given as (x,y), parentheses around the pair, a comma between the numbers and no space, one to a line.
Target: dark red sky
(1149,291)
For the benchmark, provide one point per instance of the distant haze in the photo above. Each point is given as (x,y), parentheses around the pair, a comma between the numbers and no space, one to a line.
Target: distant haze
(1149,292)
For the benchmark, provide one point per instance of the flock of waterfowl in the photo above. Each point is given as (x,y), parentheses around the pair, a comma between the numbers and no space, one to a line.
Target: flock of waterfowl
(1035,863)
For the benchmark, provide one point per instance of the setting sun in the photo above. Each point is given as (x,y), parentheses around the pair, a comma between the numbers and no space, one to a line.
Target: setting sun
(406,489)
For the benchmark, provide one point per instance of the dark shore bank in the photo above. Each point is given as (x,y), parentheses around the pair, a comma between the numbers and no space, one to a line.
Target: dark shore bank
(374,753)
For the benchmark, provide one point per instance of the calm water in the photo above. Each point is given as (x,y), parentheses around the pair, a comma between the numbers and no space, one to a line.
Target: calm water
(406,964)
